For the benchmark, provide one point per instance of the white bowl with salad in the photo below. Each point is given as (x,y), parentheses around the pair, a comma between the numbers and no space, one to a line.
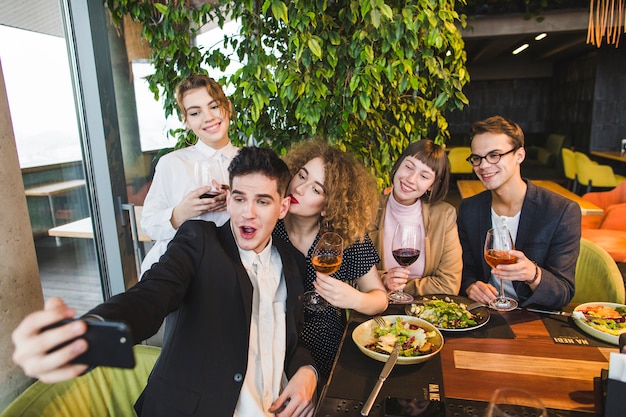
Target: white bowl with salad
(420,340)
(605,321)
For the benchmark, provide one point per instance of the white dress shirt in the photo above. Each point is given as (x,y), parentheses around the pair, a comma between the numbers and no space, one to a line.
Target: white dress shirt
(265,376)
(173,179)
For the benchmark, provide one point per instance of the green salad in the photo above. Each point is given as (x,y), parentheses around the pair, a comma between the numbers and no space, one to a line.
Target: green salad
(606,319)
(444,314)
(414,340)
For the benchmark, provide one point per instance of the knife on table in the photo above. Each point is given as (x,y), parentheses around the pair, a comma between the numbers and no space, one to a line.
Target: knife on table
(391,361)
(576,314)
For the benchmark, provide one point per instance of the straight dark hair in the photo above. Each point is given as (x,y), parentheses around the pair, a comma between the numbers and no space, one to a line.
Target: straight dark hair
(435,158)
(254,160)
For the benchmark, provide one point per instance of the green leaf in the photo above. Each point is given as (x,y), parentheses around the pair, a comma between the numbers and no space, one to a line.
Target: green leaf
(315,48)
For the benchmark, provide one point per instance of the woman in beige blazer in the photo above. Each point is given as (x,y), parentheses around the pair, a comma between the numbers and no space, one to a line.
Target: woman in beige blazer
(420,179)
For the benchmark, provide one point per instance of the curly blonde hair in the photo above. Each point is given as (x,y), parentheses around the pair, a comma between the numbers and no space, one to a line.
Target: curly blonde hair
(350,189)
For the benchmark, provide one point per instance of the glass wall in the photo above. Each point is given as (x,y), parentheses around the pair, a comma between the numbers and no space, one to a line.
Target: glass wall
(39,89)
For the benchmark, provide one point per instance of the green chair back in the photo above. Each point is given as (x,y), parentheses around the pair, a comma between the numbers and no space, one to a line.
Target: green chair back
(597,276)
(102,392)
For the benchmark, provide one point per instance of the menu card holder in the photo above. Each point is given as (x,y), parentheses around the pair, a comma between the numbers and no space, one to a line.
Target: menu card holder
(615,404)
(616,386)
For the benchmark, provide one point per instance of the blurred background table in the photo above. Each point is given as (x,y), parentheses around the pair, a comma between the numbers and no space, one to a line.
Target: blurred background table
(468,188)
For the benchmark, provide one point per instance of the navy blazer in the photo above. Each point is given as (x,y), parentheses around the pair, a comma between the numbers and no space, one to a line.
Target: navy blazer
(202,287)
(548,233)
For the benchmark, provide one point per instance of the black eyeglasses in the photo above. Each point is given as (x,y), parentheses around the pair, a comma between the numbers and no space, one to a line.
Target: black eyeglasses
(491,157)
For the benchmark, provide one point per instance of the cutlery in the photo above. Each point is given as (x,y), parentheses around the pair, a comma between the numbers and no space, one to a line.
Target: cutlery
(393,357)
(553,312)
(575,314)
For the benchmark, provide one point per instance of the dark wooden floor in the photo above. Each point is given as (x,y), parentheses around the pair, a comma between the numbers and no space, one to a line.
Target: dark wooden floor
(69,271)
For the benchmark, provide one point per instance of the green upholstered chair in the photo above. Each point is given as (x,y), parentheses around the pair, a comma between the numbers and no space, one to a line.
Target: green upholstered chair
(102,392)
(597,276)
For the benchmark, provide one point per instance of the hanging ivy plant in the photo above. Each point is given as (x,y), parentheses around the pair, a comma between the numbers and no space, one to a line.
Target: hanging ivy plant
(368,75)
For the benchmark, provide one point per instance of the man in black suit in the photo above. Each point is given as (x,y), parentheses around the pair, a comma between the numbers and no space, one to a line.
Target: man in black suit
(545,226)
(214,360)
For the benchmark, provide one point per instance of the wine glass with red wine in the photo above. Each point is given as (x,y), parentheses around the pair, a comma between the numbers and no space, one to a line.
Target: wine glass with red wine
(498,244)
(325,258)
(404,248)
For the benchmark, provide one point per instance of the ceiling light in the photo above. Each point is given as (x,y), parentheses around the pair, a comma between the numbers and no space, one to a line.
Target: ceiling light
(540,36)
(520,49)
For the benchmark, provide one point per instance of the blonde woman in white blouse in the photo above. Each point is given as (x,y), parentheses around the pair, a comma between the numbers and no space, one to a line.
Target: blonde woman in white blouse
(174,196)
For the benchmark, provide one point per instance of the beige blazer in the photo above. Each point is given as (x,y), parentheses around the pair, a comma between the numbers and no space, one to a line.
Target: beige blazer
(443,262)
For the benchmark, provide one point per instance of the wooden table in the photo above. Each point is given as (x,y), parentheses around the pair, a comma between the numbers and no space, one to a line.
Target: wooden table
(50,190)
(83,228)
(472,368)
(614,155)
(468,188)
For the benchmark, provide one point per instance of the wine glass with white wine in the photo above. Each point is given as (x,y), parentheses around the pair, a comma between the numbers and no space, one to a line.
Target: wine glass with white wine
(498,244)
(513,402)
(325,258)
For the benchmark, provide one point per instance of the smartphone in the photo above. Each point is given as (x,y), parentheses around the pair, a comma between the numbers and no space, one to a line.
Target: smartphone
(400,407)
(110,344)
(213,194)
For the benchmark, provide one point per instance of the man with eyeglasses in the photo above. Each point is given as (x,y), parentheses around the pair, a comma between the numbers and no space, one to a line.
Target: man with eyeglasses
(545,227)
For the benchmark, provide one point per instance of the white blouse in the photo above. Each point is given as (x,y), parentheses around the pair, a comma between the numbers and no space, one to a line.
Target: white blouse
(173,179)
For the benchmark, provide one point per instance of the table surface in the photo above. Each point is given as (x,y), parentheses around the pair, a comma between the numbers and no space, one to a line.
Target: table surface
(472,368)
(614,155)
(83,228)
(54,188)
(468,188)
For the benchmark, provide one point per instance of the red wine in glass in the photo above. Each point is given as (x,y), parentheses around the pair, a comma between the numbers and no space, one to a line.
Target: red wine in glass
(406,256)
(404,247)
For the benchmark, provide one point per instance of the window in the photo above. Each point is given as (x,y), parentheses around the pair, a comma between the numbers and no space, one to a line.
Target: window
(42,106)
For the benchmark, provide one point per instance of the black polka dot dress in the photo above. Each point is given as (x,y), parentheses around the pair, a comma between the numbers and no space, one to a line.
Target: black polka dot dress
(323,329)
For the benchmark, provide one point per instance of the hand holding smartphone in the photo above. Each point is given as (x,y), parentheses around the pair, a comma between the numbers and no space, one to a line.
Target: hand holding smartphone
(110,344)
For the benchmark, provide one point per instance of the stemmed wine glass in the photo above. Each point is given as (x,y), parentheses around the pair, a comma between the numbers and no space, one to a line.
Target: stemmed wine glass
(325,258)
(498,243)
(208,171)
(508,402)
(404,248)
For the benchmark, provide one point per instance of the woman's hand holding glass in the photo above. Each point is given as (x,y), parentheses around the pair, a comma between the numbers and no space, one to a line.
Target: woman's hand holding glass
(326,259)
(395,278)
(405,244)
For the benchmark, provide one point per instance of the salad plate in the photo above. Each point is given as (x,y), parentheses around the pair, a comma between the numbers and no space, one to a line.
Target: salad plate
(448,312)
(368,334)
(609,324)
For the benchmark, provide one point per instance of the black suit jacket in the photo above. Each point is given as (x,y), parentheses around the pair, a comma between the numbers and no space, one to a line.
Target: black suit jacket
(202,287)
(548,233)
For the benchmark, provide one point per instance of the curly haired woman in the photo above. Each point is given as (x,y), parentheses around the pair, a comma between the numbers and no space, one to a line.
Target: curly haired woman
(330,189)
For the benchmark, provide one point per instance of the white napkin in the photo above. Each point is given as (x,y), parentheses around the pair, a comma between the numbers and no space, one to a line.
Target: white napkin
(617,367)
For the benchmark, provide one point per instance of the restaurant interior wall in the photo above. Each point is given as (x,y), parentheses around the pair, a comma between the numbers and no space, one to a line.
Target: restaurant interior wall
(583,99)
